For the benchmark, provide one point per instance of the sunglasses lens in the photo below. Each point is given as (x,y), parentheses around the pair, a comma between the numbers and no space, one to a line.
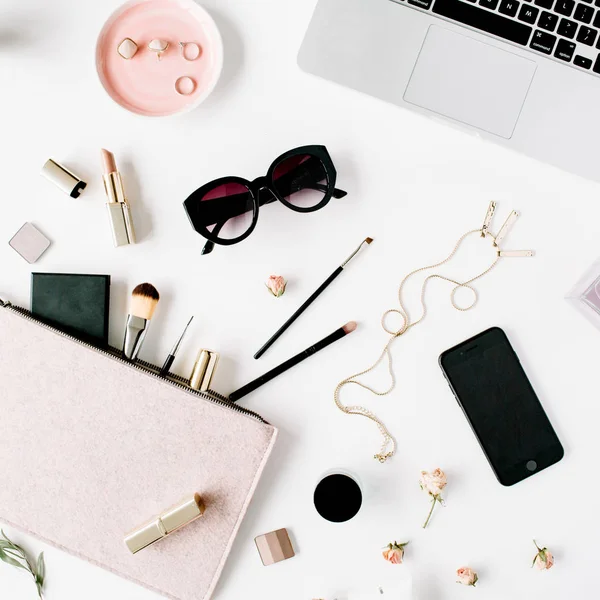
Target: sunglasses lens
(301,180)
(226,210)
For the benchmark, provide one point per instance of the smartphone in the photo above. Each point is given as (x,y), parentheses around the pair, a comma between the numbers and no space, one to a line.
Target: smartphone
(501,406)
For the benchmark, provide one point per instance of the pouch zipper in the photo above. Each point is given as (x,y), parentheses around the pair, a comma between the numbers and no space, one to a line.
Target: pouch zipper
(140,365)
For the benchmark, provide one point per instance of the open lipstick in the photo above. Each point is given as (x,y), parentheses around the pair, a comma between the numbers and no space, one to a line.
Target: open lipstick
(119,212)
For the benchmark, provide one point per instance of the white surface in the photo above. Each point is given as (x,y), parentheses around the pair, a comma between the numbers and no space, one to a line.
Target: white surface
(415,187)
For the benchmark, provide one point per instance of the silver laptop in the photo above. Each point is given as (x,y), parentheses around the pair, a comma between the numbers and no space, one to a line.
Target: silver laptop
(522,73)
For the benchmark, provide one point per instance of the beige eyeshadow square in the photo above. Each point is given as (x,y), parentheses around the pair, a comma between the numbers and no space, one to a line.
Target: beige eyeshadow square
(29,242)
(274,547)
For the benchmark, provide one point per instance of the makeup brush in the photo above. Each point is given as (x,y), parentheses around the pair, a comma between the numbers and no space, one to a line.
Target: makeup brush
(292,362)
(169,362)
(312,298)
(144,299)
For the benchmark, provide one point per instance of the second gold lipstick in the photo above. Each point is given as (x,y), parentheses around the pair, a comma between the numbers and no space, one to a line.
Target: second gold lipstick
(119,212)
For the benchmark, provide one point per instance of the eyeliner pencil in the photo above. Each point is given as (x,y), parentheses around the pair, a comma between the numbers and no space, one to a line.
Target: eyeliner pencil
(171,358)
(292,362)
(310,300)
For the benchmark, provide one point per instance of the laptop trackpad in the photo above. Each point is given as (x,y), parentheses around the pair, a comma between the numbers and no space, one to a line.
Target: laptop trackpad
(469,81)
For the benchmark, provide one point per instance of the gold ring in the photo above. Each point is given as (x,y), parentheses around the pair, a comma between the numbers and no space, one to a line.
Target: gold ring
(190,50)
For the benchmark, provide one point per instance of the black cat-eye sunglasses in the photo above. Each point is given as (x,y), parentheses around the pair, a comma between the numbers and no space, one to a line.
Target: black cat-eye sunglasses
(225,211)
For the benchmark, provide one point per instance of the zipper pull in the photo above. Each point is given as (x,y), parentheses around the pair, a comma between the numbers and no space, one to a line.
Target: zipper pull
(4,303)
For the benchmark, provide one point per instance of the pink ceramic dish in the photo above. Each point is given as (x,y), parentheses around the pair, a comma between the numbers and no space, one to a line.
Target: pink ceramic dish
(144,84)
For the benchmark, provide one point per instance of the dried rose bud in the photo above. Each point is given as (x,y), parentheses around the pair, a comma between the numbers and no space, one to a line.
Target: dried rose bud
(276,285)
(394,553)
(544,559)
(433,483)
(466,576)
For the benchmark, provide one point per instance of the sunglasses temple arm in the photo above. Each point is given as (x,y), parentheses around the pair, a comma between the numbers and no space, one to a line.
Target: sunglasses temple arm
(208,248)
(210,245)
(337,193)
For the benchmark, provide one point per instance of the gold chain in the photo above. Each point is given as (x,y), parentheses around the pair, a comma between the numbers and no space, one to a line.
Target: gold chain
(388,439)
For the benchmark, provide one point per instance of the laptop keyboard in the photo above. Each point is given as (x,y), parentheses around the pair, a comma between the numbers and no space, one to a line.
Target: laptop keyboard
(567,30)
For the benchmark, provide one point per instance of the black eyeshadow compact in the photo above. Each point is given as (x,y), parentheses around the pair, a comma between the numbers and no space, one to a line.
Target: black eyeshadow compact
(338,498)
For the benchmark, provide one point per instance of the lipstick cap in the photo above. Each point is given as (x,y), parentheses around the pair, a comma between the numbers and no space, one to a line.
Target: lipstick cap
(145,535)
(204,370)
(64,179)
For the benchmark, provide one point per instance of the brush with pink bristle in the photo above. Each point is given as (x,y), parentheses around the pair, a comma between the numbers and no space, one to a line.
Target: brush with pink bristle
(292,362)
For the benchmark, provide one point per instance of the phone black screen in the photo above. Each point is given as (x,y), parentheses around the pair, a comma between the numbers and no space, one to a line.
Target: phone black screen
(495,394)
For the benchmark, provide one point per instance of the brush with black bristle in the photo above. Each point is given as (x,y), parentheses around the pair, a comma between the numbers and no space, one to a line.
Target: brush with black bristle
(144,299)
(312,298)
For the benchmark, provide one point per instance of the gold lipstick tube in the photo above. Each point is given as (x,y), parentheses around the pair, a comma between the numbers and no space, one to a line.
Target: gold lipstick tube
(119,211)
(160,527)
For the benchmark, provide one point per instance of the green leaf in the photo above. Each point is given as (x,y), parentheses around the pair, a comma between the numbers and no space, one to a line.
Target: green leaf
(14,555)
(12,545)
(11,552)
(10,561)
(41,570)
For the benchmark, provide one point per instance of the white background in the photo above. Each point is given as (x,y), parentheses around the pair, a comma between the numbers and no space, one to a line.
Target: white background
(414,187)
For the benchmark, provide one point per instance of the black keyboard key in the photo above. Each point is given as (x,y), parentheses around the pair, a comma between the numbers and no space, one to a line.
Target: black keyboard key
(487,21)
(426,4)
(509,7)
(543,42)
(587,35)
(548,21)
(597,19)
(544,3)
(588,1)
(597,2)
(565,50)
(567,28)
(491,4)
(596,68)
(583,13)
(565,7)
(529,14)
(583,62)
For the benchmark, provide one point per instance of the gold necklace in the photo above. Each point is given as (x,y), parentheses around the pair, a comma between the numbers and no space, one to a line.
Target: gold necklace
(388,447)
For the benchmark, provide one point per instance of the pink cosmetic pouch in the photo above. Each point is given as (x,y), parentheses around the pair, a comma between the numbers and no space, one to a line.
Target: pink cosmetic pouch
(94,446)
